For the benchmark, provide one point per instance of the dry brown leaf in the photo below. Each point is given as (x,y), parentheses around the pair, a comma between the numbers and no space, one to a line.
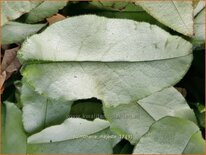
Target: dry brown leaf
(9,65)
(14,66)
(55,18)
(2,80)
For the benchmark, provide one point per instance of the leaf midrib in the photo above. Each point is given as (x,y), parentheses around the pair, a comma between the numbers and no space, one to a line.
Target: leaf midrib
(30,62)
(180,16)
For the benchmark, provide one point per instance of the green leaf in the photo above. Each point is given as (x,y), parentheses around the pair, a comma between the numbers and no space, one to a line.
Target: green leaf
(14,32)
(74,136)
(201,119)
(178,15)
(14,138)
(40,112)
(135,119)
(171,135)
(44,10)
(12,10)
(115,60)
(200,114)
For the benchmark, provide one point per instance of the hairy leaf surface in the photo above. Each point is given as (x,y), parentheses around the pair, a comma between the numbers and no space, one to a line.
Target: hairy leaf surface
(115,60)
(74,136)
(200,5)
(99,85)
(44,10)
(171,135)
(199,26)
(12,10)
(177,15)
(14,32)
(40,112)
(135,119)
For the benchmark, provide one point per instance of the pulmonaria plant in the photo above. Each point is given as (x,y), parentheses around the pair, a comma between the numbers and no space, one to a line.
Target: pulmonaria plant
(130,66)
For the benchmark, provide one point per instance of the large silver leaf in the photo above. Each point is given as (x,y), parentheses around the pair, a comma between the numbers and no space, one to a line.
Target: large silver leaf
(14,9)
(74,136)
(13,136)
(177,15)
(103,39)
(115,60)
(40,112)
(171,135)
(135,119)
(14,32)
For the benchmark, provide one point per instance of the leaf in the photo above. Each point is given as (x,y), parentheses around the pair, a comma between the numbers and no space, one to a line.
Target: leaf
(14,138)
(12,10)
(10,63)
(13,67)
(199,27)
(201,119)
(55,18)
(40,112)
(199,7)
(178,15)
(9,56)
(195,3)
(44,10)
(183,91)
(135,119)
(99,61)
(196,145)
(74,136)
(14,32)
(2,80)
(171,135)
